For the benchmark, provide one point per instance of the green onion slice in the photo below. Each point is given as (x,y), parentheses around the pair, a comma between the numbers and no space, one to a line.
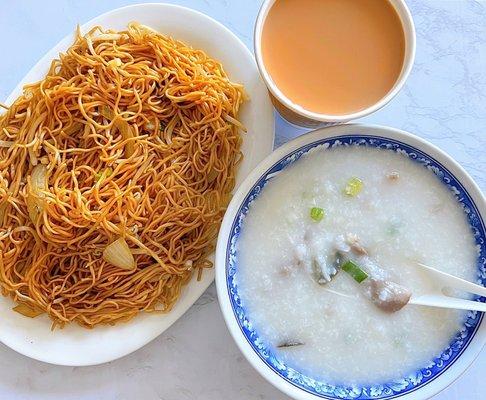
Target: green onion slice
(104,173)
(353,187)
(355,271)
(317,213)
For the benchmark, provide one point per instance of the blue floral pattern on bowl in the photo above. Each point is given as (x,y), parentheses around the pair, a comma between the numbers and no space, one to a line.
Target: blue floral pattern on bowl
(386,390)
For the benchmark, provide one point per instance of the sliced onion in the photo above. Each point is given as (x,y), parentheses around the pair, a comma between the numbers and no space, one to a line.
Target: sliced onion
(126,133)
(235,122)
(118,253)
(108,37)
(124,128)
(39,177)
(27,311)
(116,62)
(6,143)
(35,196)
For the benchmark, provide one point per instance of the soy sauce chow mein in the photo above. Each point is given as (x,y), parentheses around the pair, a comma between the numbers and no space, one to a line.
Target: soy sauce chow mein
(115,171)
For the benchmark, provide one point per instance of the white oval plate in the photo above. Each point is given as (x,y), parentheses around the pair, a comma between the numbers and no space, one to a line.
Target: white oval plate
(77,346)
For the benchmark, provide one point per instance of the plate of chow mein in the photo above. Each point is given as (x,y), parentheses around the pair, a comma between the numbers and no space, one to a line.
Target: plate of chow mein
(119,152)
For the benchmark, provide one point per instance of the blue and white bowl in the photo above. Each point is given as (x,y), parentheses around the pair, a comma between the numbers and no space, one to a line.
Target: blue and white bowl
(424,382)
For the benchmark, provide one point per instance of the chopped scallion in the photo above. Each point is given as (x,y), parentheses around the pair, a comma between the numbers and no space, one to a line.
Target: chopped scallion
(317,214)
(353,187)
(104,173)
(355,271)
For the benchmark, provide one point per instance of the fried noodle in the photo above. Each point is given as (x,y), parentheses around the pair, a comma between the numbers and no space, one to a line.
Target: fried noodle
(130,135)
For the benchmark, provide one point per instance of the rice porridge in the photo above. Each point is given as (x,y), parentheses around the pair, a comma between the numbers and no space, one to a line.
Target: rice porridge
(327,261)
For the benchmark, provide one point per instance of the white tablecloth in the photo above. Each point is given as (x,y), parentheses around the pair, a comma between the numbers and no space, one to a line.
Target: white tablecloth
(443,101)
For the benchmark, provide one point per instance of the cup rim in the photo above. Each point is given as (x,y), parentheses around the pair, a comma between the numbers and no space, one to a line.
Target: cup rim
(410,48)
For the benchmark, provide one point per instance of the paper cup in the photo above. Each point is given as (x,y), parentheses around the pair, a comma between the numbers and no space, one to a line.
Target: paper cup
(296,114)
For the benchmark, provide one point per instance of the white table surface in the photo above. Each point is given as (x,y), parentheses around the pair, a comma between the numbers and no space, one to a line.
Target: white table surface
(444,101)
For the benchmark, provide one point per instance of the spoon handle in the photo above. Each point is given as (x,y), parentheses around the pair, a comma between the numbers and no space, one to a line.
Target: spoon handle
(454,282)
(439,300)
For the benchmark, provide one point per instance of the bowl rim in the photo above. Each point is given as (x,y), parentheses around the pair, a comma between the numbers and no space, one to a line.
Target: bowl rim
(429,389)
(410,36)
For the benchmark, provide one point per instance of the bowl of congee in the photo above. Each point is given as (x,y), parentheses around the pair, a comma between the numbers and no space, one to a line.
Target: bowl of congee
(331,61)
(319,260)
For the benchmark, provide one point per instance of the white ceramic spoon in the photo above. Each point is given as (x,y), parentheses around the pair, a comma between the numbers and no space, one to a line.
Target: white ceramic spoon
(443,282)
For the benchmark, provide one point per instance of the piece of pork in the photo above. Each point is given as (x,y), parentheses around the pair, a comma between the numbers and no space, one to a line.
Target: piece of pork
(378,287)
(386,295)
